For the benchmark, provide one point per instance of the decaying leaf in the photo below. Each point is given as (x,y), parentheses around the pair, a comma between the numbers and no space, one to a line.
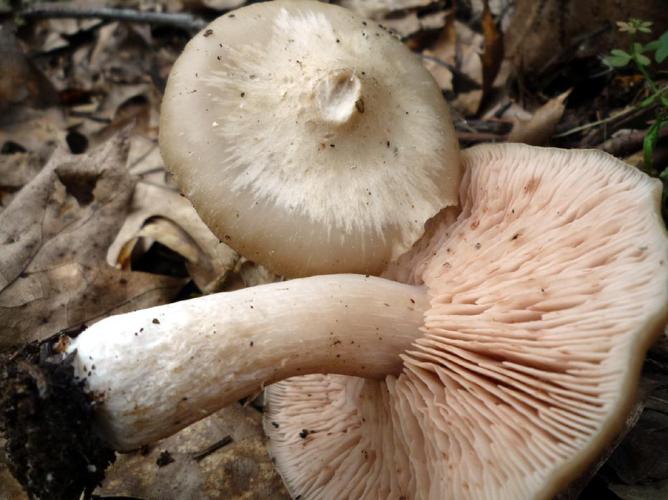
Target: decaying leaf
(159,213)
(10,489)
(411,24)
(53,238)
(221,4)
(16,170)
(538,129)
(377,9)
(20,81)
(454,62)
(34,130)
(652,491)
(492,56)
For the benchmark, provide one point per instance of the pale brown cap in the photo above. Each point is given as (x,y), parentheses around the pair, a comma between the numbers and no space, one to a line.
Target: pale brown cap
(308,139)
(546,293)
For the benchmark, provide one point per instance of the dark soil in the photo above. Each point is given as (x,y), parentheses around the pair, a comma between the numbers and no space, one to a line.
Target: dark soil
(47,419)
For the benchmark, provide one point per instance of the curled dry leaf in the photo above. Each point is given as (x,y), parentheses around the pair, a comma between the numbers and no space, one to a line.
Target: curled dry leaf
(377,9)
(159,213)
(538,129)
(54,236)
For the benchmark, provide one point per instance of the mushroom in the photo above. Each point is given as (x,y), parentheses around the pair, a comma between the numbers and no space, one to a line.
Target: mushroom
(545,294)
(500,371)
(320,145)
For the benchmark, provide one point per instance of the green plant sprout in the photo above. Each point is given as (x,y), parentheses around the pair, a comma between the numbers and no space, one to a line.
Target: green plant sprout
(639,55)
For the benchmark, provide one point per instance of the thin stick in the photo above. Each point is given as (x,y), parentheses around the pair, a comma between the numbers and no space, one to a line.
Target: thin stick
(210,449)
(184,21)
(586,126)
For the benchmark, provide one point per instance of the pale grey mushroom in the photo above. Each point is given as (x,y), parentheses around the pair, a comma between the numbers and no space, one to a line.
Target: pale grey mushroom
(318,145)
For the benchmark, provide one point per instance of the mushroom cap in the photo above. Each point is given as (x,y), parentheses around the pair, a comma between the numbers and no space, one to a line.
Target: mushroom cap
(318,145)
(545,294)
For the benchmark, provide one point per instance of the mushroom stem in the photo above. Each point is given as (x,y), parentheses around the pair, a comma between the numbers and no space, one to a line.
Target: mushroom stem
(158,370)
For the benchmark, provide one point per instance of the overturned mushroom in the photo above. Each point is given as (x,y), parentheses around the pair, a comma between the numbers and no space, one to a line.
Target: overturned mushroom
(510,361)
(545,294)
(322,146)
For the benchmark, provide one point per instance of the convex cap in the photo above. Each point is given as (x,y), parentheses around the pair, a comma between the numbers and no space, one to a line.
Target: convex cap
(308,139)
(545,294)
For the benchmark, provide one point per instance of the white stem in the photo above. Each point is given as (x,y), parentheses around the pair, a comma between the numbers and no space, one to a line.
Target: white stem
(158,370)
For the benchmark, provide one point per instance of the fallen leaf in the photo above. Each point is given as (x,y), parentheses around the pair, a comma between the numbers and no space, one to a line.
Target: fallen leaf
(159,213)
(652,491)
(538,129)
(641,457)
(34,130)
(377,9)
(20,80)
(54,236)
(17,170)
(492,55)
(454,61)
(222,4)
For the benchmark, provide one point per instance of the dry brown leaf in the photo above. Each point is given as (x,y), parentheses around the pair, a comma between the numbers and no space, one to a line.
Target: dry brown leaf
(119,54)
(539,128)
(458,50)
(440,57)
(20,81)
(222,4)
(377,9)
(10,489)
(16,170)
(411,24)
(159,213)
(652,491)
(35,130)
(492,55)
(53,238)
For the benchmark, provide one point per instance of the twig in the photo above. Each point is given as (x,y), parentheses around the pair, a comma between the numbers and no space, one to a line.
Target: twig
(210,449)
(184,21)
(586,126)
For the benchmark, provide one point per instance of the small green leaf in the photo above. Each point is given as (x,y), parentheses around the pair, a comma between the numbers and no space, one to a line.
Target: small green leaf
(617,58)
(648,101)
(649,142)
(664,175)
(662,49)
(642,60)
(664,101)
